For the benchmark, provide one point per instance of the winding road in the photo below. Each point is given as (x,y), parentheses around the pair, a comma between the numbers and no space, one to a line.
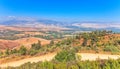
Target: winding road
(48,57)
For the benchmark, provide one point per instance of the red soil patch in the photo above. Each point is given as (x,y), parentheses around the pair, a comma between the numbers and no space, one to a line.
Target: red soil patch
(4,44)
(11,44)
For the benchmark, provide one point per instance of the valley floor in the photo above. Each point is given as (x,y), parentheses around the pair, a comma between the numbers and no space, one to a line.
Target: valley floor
(48,57)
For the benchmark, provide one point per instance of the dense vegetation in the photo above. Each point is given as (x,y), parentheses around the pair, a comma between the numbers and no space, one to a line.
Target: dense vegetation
(68,60)
(98,64)
(8,34)
(96,41)
(99,41)
(51,35)
(13,35)
(36,49)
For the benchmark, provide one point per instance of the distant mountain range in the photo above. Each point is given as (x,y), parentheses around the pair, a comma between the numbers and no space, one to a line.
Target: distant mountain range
(24,21)
(40,23)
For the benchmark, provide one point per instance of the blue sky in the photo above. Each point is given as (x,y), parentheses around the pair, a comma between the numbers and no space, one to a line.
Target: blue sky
(65,10)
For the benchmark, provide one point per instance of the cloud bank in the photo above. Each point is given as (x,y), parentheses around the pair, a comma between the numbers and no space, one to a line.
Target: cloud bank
(98,25)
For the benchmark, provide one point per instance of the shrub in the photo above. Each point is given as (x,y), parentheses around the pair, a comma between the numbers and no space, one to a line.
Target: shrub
(100,64)
(36,46)
(14,51)
(7,52)
(65,56)
(1,53)
(111,48)
(22,50)
(32,52)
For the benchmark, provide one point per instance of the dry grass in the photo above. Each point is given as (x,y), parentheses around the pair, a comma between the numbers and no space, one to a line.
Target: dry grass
(20,61)
(11,44)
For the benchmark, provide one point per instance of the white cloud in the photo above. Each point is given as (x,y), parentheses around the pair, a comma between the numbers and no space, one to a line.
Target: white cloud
(98,25)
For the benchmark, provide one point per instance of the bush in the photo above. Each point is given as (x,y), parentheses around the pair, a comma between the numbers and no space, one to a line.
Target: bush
(36,46)
(101,64)
(32,52)
(7,52)
(65,56)
(111,49)
(22,50)
(14,51)
(1,53)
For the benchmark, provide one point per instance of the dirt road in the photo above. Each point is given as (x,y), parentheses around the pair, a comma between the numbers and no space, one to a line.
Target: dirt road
(48,57)
(90,56)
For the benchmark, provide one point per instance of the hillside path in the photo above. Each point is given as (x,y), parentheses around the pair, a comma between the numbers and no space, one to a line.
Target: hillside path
(48,57)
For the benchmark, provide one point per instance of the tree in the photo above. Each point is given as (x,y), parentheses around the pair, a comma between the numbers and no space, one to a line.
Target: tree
(65,56)
(32,52)
(84,42)
(1,53)
(13,51)
(22,50)
(7,52)
(36,46)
